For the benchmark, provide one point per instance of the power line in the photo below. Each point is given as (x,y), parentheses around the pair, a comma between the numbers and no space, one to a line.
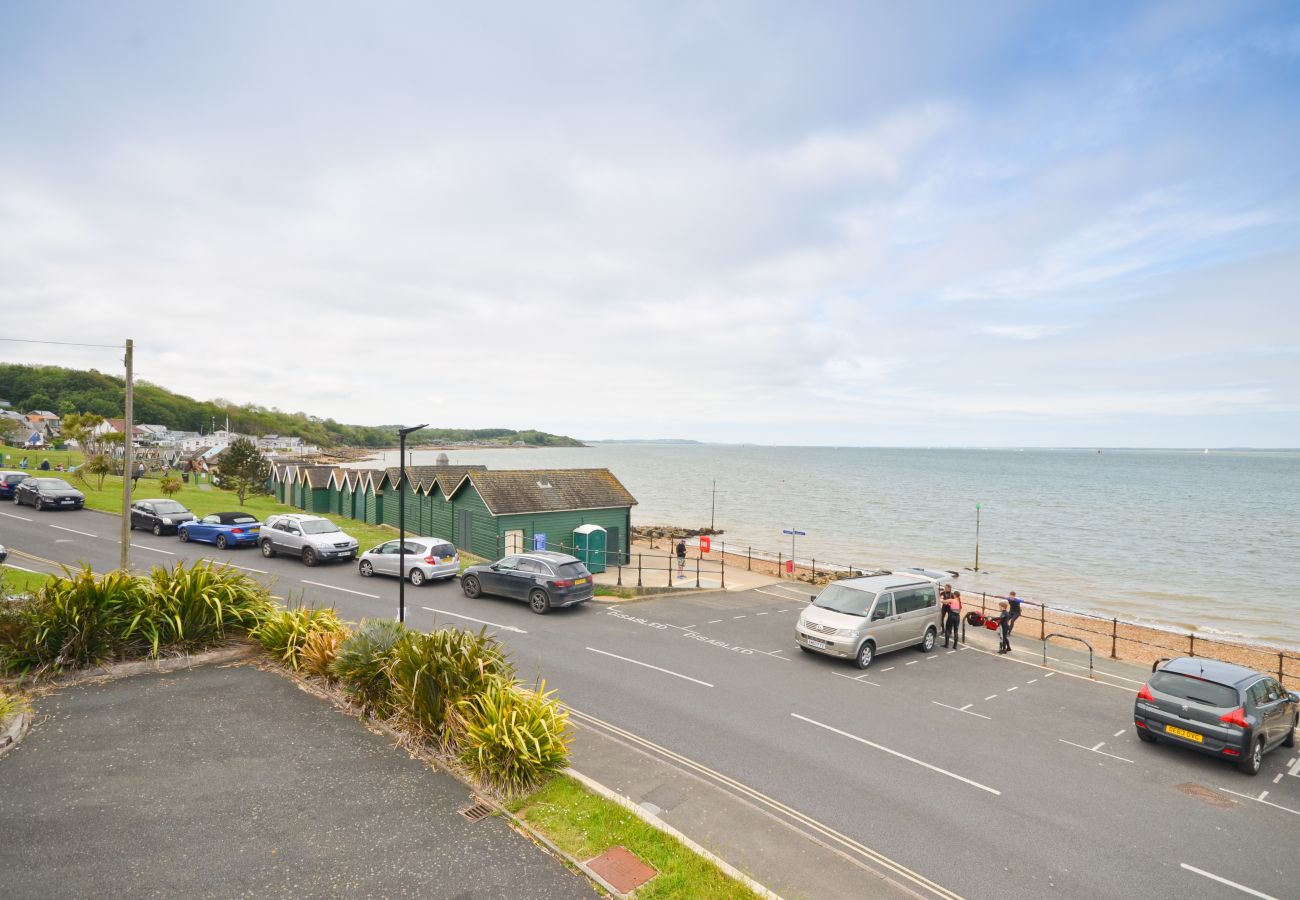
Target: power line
(61,343)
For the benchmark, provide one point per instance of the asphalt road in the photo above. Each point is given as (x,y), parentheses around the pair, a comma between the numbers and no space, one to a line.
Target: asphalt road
(974,774)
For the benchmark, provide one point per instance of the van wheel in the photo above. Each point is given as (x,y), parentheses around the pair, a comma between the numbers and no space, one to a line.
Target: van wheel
(1253,761)
(866,653)
(927,642)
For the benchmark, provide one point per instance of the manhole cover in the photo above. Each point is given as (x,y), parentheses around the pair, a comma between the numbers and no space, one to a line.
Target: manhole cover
(476,811)
(621,869)
(1212,797)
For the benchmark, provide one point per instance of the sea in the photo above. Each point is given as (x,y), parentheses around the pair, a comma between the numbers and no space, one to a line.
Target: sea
(1201,540)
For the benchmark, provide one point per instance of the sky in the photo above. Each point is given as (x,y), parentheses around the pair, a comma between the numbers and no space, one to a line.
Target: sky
(874,224)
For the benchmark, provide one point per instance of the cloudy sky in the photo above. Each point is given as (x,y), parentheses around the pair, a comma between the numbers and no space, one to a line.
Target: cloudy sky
(803,223)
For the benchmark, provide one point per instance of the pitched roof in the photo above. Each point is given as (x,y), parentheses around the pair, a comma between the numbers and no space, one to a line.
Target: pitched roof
(317,476)
(549,490)
(423,478)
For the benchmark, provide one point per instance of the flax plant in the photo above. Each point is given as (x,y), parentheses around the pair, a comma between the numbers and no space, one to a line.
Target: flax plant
(319,651)
(431,673)
(184,608)
(284,632)
(72,621)
(360,665)
(11,705)
(515,738)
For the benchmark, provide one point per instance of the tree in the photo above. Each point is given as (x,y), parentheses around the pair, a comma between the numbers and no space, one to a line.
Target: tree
(99,466)
(171,485)
(244,470)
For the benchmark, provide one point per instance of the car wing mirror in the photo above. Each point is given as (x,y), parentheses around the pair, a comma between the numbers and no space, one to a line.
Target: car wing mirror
(1293,697)
(812,597)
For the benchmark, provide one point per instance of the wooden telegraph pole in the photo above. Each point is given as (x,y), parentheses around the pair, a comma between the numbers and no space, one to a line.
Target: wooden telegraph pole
(125,539)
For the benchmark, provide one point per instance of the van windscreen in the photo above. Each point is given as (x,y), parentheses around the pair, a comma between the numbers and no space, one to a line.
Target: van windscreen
(850,601)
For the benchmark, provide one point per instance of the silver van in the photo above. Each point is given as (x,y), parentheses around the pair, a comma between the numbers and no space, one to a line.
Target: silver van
(858,618)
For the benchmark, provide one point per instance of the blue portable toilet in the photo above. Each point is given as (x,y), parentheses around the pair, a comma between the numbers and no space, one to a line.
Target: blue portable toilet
(589,546)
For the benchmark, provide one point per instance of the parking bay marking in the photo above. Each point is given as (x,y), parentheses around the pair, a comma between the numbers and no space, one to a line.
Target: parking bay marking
(233,566)
(1262,800)
(75,531)
(860,678)
(911,759)
(1232,884)
(151,549)
(472,619)
(1095,749)
(638,662)
(19,518)
(962,709)
(344,590)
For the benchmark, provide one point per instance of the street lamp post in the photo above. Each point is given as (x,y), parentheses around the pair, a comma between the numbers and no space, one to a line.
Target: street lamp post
(977,538)
(401,519)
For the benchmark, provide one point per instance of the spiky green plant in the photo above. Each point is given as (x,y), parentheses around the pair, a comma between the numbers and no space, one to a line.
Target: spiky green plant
(284,631)
(514,738)
(319,652)
(185,608)
(431,673)
(11,705)
(72,621)
(360,664)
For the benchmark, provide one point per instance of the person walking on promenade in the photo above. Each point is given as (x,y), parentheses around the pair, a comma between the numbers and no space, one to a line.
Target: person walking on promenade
(137,475)
(1015,614)
(1004,624)
(952,618)
(681,558)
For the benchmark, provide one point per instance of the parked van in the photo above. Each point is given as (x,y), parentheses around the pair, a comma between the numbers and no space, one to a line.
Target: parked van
(858,618)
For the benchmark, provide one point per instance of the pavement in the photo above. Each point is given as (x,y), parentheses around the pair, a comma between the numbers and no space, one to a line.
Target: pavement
(230,781)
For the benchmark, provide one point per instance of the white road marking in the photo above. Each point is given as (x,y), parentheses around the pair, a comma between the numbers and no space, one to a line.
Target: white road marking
(714,621)
(952,651)
(911,759)
(772,594)
(737,617)
(1262,795)
(1231,884)
(1031,681)
(1100,744)
(1295,767)
(638,662)
(890,669)
(74,531)
(931,657)
(344,590)
(472,619)
(1265,802)
(990,696)
(1120,732)
(21,569)
(964,709)
(783,610)
(233,566)
(151,549)
(1094,750)
(911,662)
(1049,674)
(1278,777)
(1010,689)
(859,678)
(19,518)
(776,654)
(760,614)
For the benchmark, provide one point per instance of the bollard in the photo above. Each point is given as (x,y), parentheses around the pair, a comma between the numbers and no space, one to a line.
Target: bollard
(697,570)
(638,570)
(1114,629)
(749,563)
(983,600)
(620,572)
(814,564)
(1042,621)
(724,565)
(1191,644)
(780,566)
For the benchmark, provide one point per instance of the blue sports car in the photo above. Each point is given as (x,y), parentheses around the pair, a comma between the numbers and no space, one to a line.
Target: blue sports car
(228,529)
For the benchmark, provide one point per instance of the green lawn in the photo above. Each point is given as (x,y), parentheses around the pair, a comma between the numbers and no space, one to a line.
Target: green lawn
(586,825)
(15,581)
(12,455)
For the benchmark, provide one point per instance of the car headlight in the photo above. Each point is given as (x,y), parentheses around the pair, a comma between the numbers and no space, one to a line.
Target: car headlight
(844,632)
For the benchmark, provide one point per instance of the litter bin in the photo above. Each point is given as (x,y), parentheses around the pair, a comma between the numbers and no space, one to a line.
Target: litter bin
(589,546)
(185,477)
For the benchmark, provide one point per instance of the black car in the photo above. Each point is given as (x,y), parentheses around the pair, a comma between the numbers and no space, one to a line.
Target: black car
(9,481)
(543,578)
(159,516)
(1217,708)
(48,493)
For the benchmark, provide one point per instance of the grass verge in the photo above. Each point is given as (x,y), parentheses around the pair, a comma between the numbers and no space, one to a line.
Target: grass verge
(16,581)
(585,825)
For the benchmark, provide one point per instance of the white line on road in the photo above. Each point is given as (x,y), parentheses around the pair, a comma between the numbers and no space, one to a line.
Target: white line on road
(990,696)
(472,619)
(74,531)
(1265,802)
(344,590)
(1010,689)
(1031,681)
(859,678)
(738,617)
(1232,884)
(1100,744)
(714,622)
(933,768)
(1278,777)
(911,662)
(233,566)
(1120,732)
(760,614)
(648,666)
(34,572)
(1262,795)
(151,549)
(19,518)
(1049,674)
(963,709)
(890,669)
(1295,767)
(1094,750)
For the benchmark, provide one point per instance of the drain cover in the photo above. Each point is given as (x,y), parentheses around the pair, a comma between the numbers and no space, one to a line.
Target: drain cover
(621,869)
(1212,797)
(476,811)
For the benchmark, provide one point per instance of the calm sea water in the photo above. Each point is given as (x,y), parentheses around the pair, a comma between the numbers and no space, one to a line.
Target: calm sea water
(1202,541)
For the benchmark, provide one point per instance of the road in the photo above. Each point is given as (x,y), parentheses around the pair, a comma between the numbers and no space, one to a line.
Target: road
(958,772)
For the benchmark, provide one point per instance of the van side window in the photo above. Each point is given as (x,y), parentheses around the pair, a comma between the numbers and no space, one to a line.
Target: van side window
(911,600)
(884,608)
(929,598)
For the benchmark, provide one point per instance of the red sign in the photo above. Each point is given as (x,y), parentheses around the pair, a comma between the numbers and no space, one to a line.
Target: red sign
(705,543)
(789,566)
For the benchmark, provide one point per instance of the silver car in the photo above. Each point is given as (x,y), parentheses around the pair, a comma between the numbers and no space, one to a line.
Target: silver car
(427,558)
(313,538)
(858,618)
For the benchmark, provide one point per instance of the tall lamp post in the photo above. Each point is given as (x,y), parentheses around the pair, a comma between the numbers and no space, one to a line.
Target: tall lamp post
(401,520)
(977,538)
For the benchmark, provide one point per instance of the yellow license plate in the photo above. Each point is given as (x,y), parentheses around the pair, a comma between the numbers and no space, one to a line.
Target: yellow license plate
(1184,733)
(448,559)
(579,581)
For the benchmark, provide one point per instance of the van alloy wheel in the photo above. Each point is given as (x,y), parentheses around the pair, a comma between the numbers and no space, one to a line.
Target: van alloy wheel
(308,556)
(267,550)
(866,653)
(157,529)
(927,642)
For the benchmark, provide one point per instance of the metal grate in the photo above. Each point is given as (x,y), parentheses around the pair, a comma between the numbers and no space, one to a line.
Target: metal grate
(476,812)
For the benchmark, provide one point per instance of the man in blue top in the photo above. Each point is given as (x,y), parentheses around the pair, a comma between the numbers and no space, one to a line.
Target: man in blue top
(1010,622)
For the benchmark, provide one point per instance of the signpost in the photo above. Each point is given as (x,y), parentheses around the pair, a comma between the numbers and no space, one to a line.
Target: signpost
(793,534)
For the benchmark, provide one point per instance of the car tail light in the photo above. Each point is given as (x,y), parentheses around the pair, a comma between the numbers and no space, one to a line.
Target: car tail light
(1231,751)
(563,582)
(236,531)
(1139,723)
(1145,694)
(1236,717)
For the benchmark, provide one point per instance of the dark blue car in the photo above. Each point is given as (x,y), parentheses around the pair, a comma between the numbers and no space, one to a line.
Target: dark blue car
(9,481)
(227,529)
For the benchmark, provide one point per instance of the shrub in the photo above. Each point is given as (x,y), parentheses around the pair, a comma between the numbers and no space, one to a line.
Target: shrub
(11,705)
(431,673)
(170,486)
(319,651)
(72,621)
(284,631)
(186,608)
(360,664)
(514,738)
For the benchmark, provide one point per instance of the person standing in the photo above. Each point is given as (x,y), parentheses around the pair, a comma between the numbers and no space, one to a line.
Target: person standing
(137,475)
(1004,625)
(952,618)
(1014,602)
(681,558)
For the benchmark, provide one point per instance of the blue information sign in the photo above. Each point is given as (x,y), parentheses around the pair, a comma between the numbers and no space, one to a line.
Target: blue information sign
(539,541)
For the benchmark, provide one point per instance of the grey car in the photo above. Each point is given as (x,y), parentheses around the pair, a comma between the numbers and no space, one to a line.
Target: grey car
(427,559)
(1218,708)
(48,493)
(542,577)
(311,538)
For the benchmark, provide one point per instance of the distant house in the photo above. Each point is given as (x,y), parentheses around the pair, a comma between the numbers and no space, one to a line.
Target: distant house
(48,423)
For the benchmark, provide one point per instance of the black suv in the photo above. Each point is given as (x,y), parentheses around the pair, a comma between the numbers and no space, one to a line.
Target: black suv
(542,577)
(159,516)
(1217,708)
